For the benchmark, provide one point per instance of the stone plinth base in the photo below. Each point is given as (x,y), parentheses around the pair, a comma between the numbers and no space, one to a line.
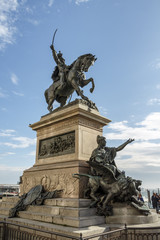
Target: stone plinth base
(65,140)
(125,214)
(67,212)
(57,177)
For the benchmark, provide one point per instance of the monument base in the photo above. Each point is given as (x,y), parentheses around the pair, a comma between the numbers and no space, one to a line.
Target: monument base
(57,176)
(71,217)
(65,140)
(126,214)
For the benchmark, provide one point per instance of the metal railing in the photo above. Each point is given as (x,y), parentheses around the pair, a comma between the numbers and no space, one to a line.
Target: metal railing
(149,233)
(119,234)
(12,231)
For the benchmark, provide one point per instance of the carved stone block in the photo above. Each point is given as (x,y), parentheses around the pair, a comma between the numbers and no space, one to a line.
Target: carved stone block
(56,178)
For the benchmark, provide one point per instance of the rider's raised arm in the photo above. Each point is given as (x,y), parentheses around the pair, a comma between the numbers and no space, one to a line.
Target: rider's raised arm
(54,53)
(124,144)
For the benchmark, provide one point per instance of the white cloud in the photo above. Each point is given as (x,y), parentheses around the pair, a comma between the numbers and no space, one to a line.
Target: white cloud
(4,109)
(6,154)
(154,164)
(11,168)
(158,86)
(102,110)
(80,1)
(156,64)
(7,132)
(143,154)
(18,94)
(50,3)
(34,22)
(22,142)
(153,101)
(152,121)
(149,129)
(8,10)
(139,154)
(29,10)
(14,79)
(33,153)
(3,93)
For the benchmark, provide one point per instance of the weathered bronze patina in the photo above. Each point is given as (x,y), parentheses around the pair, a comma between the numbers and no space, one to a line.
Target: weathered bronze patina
(57,145)
(35,196)
(107,184)
(67,79)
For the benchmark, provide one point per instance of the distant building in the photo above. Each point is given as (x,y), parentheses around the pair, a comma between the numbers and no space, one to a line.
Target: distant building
(9,190)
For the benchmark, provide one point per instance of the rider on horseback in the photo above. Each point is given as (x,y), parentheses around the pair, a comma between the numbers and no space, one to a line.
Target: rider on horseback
(67,79)
(61,68)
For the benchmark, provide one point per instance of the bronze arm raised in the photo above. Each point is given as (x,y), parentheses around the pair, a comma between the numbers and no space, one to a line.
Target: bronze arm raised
(124,144)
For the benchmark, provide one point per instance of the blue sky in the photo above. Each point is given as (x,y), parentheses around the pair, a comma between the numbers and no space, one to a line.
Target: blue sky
(123,34)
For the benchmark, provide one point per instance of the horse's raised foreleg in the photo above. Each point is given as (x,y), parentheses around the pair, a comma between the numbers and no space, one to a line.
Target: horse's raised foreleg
(83,83)
(78,90)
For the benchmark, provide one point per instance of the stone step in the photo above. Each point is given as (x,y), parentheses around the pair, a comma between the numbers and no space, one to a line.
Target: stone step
(68,202)
(11,199)
(66,221)
(7,205)
(62,211)
(4,211)
(132,219)
(65,202)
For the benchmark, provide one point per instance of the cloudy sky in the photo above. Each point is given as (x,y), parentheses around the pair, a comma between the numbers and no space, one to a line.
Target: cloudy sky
(125,37)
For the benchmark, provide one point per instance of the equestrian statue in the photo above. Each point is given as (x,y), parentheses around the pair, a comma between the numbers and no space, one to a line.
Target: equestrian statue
(68,78)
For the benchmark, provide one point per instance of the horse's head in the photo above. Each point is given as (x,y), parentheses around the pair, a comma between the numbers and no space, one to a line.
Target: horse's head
(138,183)
(87,60)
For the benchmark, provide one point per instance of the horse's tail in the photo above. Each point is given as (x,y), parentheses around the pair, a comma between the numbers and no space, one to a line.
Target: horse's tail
(78,175)
(46,95)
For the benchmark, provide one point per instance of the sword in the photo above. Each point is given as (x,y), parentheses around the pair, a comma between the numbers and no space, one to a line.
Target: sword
(54,36)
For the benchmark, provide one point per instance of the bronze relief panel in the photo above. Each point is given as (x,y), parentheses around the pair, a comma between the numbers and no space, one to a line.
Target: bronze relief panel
(57,145)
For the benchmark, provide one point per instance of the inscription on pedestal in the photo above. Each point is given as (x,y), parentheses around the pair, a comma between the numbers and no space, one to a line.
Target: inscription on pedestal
(57,145)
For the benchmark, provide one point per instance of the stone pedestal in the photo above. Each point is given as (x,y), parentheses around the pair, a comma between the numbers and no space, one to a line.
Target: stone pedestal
(126,214)
(65,140)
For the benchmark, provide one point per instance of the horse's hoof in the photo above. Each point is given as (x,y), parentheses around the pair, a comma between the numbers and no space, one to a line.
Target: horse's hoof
(91,90)
(50,109)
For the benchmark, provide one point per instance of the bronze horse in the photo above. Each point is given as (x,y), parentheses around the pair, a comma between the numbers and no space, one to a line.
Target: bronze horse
(67,79)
